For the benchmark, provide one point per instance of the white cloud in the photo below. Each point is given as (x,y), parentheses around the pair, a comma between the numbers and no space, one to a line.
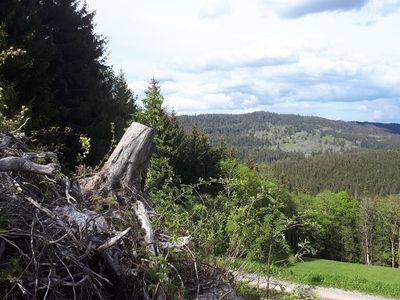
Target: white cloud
(306,7)
(250,59)
(253,56)
(215,8)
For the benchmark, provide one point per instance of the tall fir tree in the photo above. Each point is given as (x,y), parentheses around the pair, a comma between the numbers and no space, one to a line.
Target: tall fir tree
(66,81)
(82,81)
(27,77)
(168,132)
(124,103)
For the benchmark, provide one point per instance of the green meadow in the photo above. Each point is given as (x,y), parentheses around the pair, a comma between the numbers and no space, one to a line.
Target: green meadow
(377,280)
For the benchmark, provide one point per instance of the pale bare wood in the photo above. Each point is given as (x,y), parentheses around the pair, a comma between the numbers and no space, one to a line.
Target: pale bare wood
(127,165)
(124,171)
(20,164)
(145,223)
(111,242)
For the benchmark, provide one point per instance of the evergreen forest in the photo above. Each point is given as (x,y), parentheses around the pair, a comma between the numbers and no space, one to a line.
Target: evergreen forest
(264,187)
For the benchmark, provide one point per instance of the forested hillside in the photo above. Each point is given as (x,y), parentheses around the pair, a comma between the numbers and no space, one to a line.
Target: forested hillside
(373,172)
(101,198)
(267,136)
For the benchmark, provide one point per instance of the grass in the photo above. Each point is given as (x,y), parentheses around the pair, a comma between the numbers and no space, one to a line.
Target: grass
(252,293)
(377,280)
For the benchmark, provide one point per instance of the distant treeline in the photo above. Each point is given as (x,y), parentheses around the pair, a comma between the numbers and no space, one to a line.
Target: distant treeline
(266,137)
(373,172)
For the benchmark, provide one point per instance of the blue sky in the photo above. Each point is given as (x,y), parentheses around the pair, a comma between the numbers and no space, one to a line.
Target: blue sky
(338,59)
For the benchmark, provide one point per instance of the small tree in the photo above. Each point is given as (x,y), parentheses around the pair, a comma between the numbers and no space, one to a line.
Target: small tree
(168,132)
(124,104)
(367,226)
(388,221)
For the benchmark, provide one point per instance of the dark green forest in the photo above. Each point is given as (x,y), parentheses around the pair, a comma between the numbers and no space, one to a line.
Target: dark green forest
(62,78)
(266,136)
(331,192)
(372,172)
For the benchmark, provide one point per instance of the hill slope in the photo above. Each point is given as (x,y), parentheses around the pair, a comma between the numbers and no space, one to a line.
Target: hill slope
(269,136)
(375,172)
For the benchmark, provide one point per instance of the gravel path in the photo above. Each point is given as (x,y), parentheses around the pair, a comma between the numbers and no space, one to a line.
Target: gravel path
(323,292)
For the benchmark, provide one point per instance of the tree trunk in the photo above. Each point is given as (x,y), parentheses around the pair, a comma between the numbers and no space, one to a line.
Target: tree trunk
(368,250)
(398,250)
(126,168)
(392,251)
(124,173)
(269,262)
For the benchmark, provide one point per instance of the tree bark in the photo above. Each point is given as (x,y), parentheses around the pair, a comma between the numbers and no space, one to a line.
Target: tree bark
(20,164)
(126,168)
(398,249)
(124,173)
(392,251)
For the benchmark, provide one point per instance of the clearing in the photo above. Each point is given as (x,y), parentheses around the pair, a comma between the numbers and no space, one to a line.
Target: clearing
(375,280)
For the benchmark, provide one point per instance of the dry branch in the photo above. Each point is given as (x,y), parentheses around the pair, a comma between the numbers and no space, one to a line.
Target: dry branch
(66,249)
(20,164)
(111,242)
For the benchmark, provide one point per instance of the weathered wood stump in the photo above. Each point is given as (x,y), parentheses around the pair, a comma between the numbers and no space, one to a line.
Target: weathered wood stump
(126,168)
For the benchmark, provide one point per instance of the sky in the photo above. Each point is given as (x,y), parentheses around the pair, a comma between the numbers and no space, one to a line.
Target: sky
(338,59)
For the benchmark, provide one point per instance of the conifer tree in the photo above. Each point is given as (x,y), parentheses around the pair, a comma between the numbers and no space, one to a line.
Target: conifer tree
(168,132)
(27,77)
(66,82)
(124,102)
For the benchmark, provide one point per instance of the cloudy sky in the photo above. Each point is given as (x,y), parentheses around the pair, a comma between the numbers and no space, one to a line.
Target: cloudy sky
(338,59)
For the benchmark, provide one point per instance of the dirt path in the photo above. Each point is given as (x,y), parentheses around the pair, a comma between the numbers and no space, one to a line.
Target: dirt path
(322,292)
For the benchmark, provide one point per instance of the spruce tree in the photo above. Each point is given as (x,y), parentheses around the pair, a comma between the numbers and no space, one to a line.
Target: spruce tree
(27,76)
(65,81)
(168,131)
(82,81)
(124,104)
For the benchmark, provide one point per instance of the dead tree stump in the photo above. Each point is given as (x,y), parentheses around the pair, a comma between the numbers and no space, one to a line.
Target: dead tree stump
(126,168)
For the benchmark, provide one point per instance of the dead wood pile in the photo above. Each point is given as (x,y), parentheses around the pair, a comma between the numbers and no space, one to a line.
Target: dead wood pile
(90,238)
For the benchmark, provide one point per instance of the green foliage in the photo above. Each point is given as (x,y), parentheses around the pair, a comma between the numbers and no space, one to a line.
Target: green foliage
(268,136)
(10,270)
(168,132)
(7,123)
(65,82)
(124,104)
(85,148)
(242,218)
(386,231)
(334,219)
(14,122)
(197,158)
(191,156)
(103,203)
(368,172)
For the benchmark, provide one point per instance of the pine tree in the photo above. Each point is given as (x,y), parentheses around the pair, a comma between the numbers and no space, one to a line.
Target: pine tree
(197,157)
(168,131)
(27,76)
(66,82)
(82,82)
(124,102)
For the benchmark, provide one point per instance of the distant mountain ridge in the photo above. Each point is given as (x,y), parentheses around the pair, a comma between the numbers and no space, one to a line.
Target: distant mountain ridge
(266,136)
